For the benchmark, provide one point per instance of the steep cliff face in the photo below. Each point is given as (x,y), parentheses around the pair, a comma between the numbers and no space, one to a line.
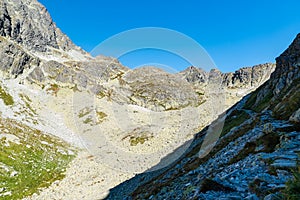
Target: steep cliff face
(253,159)
(281,93)
(29,24)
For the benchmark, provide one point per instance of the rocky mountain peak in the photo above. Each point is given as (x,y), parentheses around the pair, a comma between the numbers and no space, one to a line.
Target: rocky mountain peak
(288,64)
(28,23)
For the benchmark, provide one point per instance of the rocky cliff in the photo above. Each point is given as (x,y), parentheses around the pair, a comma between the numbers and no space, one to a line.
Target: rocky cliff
(255,156)
(29,24)
(34,49)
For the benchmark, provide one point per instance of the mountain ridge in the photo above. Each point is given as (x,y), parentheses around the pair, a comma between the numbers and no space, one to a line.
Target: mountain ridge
(57,89)
(252,160)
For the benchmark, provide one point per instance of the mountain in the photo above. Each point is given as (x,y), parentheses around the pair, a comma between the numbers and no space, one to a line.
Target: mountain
(66,116)
(256,156)
(32,46)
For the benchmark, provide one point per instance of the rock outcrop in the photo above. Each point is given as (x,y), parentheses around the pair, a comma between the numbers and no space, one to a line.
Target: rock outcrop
(33,48)
(253,159)
(29,24)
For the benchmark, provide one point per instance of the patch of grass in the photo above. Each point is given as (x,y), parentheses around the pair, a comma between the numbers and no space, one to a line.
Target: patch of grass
(254,187)
(88,120)
(138,140)
(101,116)
(292,190)
(101,94)
(263,103)
(33,161)
(269,142)
(251,100)
(27,102)
(236,118)
(54,88)
(84,112)
(288,105)
(252,104)
(6,97)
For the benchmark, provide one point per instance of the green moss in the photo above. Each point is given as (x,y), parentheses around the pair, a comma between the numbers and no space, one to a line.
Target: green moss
(33,162)
(6,97)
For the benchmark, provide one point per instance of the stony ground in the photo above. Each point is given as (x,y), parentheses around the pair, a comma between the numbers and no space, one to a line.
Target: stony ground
(131,138)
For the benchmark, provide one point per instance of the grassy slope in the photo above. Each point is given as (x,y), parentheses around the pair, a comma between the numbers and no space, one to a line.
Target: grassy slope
(29,160)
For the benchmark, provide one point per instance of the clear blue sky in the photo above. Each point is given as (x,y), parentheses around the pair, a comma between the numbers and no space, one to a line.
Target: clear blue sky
(234,33)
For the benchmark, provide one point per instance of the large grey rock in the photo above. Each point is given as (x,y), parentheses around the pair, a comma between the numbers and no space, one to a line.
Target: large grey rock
(296,116)
(13,59)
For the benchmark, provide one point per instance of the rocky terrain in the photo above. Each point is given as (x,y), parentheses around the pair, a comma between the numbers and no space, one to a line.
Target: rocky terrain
(257,156)
(104,123)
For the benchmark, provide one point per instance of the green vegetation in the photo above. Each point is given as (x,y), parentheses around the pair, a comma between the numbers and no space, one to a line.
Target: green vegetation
(54,88)
(101,116)
(289,104)
(189,190)
(252,104)
(138,140)
(6,97)
(292,190)
(263,103)
(101,95)
(29,160)
(268,142)
(88,120)
(236,118)
(27,102)
(84,112)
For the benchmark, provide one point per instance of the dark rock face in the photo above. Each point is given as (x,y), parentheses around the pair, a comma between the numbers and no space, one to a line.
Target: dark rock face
(194,75)
(288,64)
(14,60)
(29,24)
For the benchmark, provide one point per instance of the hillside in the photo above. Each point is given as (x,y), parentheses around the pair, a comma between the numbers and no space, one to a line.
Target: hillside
(86,124)
(257,156)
